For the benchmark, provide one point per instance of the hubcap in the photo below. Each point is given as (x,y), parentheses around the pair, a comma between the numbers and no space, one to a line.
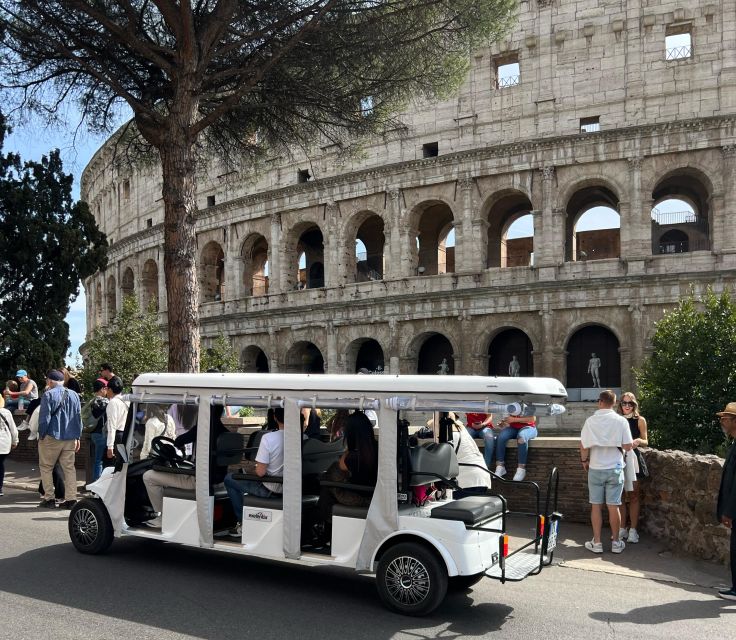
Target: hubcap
(85,527)
(407,580)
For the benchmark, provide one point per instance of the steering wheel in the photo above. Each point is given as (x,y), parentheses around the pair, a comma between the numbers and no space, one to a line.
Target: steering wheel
(165,450)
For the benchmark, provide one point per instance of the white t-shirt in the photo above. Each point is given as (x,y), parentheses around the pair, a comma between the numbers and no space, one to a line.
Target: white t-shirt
(271,453)
(467,452)
(604,433)
(155,428)
(117,412)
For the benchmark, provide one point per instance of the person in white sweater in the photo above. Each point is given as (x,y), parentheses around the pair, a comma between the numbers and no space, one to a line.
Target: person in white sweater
(8,439)
(158,423)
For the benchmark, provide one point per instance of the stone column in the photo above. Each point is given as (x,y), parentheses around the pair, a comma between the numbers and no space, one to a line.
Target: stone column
(538,247)
(274,357)
(332,349)
(468,247)
(392,224)
(637,341)
(543,356)
(552,238)
(723,224)
(275,265)
(332,264)
(627,377)
(394,346)
(118,289)
(636,217)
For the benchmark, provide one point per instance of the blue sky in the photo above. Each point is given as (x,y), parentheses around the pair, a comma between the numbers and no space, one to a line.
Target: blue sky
(32,140)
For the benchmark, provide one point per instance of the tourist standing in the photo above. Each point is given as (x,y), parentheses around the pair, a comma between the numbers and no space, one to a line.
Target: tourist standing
(629,409)
(8,439)
(59,430)
(726,510)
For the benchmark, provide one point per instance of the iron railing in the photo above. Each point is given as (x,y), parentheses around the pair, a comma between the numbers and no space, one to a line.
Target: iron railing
(674,217)
(508,81)
(679,53)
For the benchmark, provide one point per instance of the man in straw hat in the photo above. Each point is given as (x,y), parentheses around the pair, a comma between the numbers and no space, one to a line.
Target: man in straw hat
(726,510)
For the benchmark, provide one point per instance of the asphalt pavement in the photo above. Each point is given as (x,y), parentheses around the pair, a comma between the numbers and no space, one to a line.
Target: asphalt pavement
(147,589)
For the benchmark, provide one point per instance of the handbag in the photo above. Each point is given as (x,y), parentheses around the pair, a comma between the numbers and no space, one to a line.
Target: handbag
(643,468)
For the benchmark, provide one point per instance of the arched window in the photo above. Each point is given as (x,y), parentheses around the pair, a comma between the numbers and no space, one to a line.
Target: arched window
(510,354)
(310,250)
(435,239)
(254,360)
(212,273)
(436,356)
(112,303)
(304,357)
(369,246)
(680,214)
(127,285)
(593,360)
(365,354)
(255,265)
(510,232)
(149,284)
(593,225)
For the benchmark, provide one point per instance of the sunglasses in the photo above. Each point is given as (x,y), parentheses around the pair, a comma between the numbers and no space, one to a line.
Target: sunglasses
(628,404)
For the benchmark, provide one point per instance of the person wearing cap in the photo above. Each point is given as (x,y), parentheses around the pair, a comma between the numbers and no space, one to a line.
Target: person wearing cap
(59,430)
(28,390)
(726,510)
(94,420)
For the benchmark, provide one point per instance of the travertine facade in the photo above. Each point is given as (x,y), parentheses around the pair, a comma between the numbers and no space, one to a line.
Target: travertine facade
(505,147)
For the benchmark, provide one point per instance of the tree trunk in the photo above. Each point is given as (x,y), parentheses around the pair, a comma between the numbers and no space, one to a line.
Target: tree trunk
(178,164)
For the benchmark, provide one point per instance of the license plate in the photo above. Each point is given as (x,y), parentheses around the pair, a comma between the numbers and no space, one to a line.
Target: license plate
(552,538)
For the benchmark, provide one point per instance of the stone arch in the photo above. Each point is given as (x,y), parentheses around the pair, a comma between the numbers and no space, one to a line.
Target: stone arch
(366,262)
(149,285)
(127,283)
(112,302)
(587,342)
(304,357)
(305,256)
(692,188)
(253,359)
(212,272)
(365,353)
(428,350)
(502,209)
(255,255)
(510,345)
(98,304)
(431,223)
(591,245)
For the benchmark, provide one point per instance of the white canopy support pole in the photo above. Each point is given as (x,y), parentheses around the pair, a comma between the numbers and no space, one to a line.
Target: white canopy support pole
(202,485)
(292,496)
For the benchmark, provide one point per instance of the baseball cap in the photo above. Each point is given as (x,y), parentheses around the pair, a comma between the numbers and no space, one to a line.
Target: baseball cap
(20,373)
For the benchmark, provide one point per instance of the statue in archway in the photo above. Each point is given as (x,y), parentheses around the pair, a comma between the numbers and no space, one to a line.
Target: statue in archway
(444,368)
(514,367)
(594,364)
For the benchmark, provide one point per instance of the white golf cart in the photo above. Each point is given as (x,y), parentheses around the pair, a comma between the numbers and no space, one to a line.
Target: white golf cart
(416,552)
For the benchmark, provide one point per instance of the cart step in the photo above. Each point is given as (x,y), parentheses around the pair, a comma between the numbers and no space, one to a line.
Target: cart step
(518,566)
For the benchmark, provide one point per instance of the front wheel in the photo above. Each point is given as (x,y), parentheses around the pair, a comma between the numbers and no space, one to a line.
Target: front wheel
(90,527)
(411,579)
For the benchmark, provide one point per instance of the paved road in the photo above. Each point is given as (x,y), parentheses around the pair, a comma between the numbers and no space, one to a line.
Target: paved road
(143,589)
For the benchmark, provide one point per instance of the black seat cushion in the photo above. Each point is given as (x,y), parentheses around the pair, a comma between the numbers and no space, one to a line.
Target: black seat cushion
(470,510)
(179,494)
(344,511)
(274,502)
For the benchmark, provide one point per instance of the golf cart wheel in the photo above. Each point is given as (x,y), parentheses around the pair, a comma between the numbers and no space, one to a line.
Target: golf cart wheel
(411,579)
(90,527)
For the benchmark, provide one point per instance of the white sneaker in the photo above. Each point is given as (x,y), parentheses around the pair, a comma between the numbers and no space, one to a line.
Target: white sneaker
(155,523)
(519,475)
(595,547)
(500,470)
(622,534)
(617,546)
(633,537)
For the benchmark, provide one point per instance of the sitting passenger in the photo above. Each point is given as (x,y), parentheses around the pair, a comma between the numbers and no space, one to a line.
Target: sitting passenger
(159,423)
(523,428)
(269,462)
(358,465)
(336,424)
(473,481)
(157,481)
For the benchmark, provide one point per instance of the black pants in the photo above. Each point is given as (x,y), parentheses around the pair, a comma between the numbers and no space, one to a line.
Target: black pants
(59,486)
(2,469)
(733,556)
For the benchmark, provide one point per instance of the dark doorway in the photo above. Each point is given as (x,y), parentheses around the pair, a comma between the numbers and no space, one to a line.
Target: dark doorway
(510,353)
(436,356)
(370,357)
(591,343)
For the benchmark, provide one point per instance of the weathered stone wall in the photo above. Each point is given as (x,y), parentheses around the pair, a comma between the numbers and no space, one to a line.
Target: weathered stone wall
(679,503)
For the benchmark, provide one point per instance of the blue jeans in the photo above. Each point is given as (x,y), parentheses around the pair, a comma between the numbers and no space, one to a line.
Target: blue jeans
(510,433)
(236,489)
(489,442)
(99,441)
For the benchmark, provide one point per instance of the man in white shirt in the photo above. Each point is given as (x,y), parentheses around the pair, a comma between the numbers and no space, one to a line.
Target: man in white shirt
(116,414)
(605,437)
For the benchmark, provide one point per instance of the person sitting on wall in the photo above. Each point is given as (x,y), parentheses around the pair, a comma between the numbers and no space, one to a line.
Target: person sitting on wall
(480,425)
(27,391)
(523,428)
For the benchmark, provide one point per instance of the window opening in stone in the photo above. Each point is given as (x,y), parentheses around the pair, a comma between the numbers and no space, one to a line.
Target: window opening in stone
(302,176)
(369,250)
(254,360)
(149,223)
(681,203)
(149,285)
(507,71)
(255,265)
(365,355)
(366,106)
(304,357)
(434,242)
(592,225)
(510,354)
(126,189)
(210,201)
(311,269)
(430,150)
(593,363)
(678,43)
(111,299)
(127,285)
(510,232)
(590,125)
(212,273)
(436,356)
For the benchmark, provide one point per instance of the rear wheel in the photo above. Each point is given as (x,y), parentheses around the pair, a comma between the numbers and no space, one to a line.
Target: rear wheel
(463,583)
(90,528)
(411,579)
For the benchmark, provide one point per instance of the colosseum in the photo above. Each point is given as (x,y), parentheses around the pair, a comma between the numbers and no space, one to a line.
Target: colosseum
(539,223)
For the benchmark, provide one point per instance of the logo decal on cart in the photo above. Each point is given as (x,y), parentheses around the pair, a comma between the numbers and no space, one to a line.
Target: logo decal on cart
(261,516)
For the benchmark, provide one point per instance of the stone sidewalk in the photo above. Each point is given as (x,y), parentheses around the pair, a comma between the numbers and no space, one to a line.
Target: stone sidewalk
(26,475)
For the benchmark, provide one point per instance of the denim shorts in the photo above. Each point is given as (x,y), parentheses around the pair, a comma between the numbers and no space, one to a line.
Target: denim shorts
(605,486)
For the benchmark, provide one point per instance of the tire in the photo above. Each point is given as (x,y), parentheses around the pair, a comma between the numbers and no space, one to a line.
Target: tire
(463,583)
(90,528)
(411,579)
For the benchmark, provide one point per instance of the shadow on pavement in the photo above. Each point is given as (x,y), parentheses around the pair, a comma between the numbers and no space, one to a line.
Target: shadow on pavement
(669,612)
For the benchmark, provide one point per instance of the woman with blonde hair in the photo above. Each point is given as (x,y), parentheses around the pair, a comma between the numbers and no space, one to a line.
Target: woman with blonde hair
(629,409)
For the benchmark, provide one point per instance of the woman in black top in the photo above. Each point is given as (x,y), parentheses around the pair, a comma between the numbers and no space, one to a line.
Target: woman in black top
(629,409)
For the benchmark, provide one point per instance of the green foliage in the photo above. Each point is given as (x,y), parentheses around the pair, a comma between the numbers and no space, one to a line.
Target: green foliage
(131,343)
(48,243)
(691,374)
(220,356)
(246,412)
